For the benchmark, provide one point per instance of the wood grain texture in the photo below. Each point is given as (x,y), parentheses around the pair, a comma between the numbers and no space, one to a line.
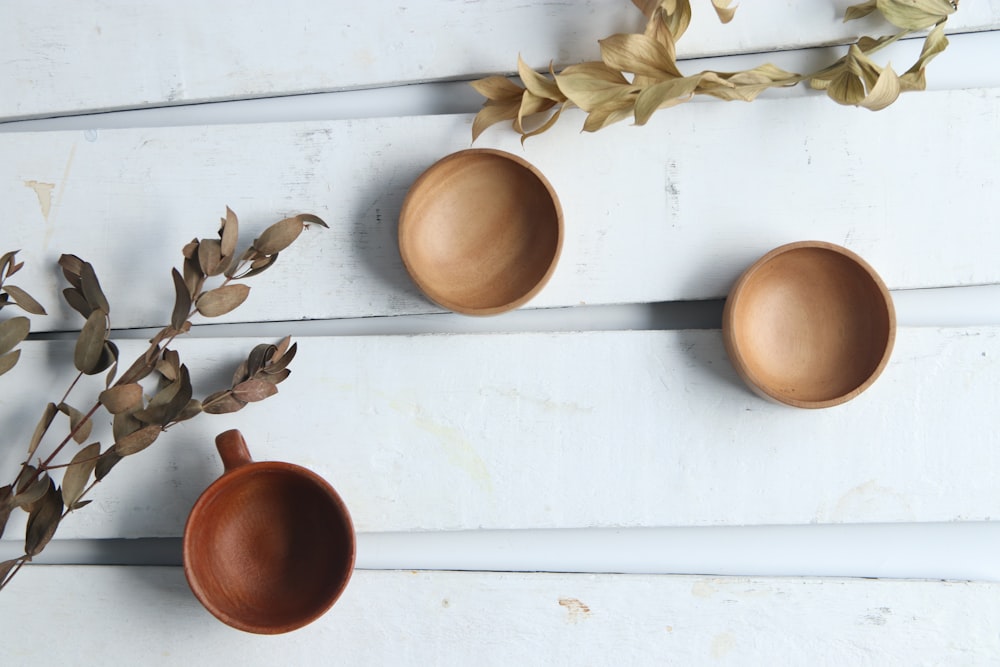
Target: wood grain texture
(450,618)
(567,430)
(673,210)
(69,59)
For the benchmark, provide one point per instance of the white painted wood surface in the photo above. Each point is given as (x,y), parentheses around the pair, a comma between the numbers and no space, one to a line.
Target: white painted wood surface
(674,210)
(450,618)
(61,59)
(568,430)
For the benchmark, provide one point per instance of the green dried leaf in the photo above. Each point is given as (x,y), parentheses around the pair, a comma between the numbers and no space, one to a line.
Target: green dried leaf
(43,521)
(222,300)
(50,412)
(254,390)
(279,236)
(108,459)
(138,441)
(859,11)
(12,332)
(182,301)
(90,344)
(79,425)
(638,54)
(210,257)
(9,360)
(222,402)
(915,14)
(74,297)
(78,473)
(121,398)
(24,300)
(91,288)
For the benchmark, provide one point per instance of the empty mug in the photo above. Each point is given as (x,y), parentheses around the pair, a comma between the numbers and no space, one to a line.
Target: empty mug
(269,546)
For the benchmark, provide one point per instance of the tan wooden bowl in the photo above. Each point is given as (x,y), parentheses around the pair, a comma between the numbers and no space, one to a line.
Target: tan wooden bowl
(810,324)
(480,232)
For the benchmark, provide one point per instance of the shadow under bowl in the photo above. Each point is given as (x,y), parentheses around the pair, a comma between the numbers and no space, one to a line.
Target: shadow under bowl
(480,232)
(810,324)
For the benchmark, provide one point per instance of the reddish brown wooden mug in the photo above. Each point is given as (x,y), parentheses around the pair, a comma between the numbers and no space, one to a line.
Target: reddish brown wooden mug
(269,546)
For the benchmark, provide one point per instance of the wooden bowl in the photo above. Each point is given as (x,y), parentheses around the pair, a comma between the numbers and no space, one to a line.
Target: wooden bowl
(269,546)
(810,324)
(480,232)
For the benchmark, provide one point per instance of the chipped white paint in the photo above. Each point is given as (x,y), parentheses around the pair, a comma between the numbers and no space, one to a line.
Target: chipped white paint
(450,618)
(674,210)
(645,428)
(69,59)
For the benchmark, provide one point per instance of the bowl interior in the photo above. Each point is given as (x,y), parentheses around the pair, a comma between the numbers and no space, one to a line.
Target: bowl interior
(811,325)
(268,549)
(480,232)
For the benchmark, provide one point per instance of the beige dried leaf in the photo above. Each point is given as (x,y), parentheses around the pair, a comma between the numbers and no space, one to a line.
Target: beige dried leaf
(495,112)
(638,54)
(914,78)
(885,91)
(666,27)
(595,85)
(222,300)
(279,236)
(530,105)
(538,84)
(229,234)
(915,14)
(24,300)
(723,9)
(662,95)
(498,89)
(860,11)
(137,441)
(122,398)
(78,473)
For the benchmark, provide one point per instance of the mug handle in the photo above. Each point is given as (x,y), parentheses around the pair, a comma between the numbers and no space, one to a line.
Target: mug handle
(233,449)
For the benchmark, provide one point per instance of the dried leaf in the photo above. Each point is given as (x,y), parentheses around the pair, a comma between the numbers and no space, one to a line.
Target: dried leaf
(124,423)
(846,88)
(7,263)
(664,94)
(12,332)
(24,300)
(121,398)
(594,86)
(638,54)
(915,14)
(229,234)
(91,288)
(283,361)
(222,402)
(260,265)
(190,250)
(222,300)
(138,441)
(210,257)
(254,390)
(885,91)
(33,492)
(602,117)
(72,267)
(240,374)
(9,360)
(82,503)
(6,507)
(7,565)
(48,415)
(538,85)
(310,219)
(859,11)
(279,236)
(78,473)
(108,459)
(259,356)
(74,297)
(276,377)
(43,521)
(109,358)
(723,10)
(495,112)
(79,424)
(498,89)
(182,301)
(280,348)
(192,409)
(194,277)
(530,105)
(935,43)
(90,344)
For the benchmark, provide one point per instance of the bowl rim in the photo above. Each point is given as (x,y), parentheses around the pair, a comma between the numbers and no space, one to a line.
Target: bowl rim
(405,221)
(739,361)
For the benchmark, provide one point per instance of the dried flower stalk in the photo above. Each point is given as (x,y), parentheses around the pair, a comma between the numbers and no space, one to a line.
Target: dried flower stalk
(137,420)
(638,73)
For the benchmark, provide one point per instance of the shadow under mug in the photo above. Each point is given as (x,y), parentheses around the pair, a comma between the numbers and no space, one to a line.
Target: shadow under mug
(269,546)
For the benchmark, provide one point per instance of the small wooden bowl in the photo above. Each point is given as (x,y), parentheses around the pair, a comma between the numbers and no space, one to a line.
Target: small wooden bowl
(269,546)
(810,324)
(480,232)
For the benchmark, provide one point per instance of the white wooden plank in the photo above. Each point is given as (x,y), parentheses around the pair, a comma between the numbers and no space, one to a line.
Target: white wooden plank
(565,430)
(670,211)
(71,59)
(147,615)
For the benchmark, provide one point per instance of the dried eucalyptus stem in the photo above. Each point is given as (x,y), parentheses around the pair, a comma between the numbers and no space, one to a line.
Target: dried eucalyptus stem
(638,73)
(138,420)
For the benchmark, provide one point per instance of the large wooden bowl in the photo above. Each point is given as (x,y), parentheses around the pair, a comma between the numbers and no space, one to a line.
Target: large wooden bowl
(480,232)
(810,324)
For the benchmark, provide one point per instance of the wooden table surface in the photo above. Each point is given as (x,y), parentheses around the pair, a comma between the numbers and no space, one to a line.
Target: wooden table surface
(585,480)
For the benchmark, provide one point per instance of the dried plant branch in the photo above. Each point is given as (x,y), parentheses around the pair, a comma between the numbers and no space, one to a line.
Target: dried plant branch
(638,74)
(137,420)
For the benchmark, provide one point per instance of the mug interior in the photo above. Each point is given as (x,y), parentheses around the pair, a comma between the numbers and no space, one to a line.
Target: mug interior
(269,547)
